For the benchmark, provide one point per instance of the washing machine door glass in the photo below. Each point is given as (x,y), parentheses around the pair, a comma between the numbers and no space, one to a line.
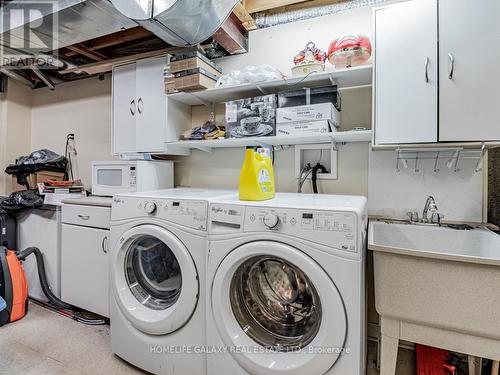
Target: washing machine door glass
(275,303)
(155,280)
(278,309)
(153,272)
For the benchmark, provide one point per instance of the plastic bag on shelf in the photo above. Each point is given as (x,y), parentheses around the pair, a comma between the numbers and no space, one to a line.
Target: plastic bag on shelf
(45,160)
(250,74)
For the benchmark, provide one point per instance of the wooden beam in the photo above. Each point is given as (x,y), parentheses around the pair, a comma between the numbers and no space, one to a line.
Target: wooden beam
(114,39)
(244,16)
(253,6)
(230,37)
(120,37)
(82,50)
(107,65)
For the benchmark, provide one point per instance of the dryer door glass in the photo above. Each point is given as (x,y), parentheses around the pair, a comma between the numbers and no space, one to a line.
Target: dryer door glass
(153,273)
(275,303)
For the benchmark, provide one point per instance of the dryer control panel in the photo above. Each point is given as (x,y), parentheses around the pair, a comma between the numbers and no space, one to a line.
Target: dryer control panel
(333,229)
(186,212)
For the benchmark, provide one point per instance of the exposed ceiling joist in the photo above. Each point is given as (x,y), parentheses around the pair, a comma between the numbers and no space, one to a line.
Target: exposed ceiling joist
(43,77)
(114,39)
(253,6)
(82,50)
(107,65)
(124,36)
(244,16)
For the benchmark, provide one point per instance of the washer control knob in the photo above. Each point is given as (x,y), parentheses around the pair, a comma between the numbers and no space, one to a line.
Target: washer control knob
(271,220)
(149,207)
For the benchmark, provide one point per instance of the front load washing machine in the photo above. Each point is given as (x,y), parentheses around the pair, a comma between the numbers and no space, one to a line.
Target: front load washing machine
(285,282)
(158,269)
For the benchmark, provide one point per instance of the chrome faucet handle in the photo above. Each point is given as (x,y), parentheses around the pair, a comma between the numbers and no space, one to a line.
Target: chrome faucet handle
(412,217)
(436,218)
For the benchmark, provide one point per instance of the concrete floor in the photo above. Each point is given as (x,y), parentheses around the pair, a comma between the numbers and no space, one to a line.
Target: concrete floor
(46,343)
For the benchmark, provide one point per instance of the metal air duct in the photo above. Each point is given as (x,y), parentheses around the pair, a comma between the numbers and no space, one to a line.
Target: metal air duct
(178,22)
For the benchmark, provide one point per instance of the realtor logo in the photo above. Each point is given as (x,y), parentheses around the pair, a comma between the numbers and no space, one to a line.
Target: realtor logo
(28,34)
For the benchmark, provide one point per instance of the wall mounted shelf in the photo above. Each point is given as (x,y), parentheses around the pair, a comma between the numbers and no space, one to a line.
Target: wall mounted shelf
(343,78)
(277,140)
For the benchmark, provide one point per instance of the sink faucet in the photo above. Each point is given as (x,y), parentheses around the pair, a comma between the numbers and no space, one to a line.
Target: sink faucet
(430,206)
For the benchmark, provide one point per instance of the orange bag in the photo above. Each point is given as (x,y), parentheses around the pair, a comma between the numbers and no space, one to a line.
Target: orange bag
(15,286)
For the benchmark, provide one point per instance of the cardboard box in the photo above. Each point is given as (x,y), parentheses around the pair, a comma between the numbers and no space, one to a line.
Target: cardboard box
(193,63)
(305,128)
(170,85)
(36,178)
(194,82)
(251,117)
(313,112)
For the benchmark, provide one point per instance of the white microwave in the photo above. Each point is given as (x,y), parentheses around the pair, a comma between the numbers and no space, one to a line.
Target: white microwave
(115,177)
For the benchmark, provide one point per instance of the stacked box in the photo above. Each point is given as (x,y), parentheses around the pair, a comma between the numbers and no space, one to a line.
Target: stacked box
(252,117)
(308,111)
(191,71)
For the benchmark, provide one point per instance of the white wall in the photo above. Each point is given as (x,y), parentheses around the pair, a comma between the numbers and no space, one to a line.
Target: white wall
(80,107)
(392,194)
(15,128)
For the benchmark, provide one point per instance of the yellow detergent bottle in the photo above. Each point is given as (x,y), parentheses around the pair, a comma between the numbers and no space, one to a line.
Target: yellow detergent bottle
(257,176)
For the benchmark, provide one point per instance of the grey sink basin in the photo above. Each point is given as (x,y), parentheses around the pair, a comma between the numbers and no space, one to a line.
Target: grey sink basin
(476,245)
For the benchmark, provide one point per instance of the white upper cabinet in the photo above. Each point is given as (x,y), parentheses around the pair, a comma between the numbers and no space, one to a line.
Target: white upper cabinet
(124,109)
(141,121)
(151,116)
(409,78)
(405,75)
(469,76)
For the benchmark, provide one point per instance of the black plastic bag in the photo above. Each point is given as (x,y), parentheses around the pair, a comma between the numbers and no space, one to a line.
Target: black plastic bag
(41,160)
(21,200)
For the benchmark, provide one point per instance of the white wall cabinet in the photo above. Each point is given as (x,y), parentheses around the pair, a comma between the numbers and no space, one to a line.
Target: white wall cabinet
(406,86)
(469,36)
(84,257)
(143,119)
(422,99)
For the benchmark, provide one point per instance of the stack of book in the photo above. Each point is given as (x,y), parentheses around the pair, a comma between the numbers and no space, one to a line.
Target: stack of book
(191,71)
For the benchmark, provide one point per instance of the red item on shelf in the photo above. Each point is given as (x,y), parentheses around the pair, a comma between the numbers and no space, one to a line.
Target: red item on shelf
(350,50)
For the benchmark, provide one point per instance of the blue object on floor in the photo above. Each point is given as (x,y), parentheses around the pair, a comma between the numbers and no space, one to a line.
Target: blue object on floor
(3,304)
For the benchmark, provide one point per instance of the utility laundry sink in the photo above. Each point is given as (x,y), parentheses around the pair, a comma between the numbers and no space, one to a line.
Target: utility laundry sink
(475,246)
(436,286)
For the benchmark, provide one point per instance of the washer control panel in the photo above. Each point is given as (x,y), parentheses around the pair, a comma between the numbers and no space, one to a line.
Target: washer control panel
(186,212)
(333,229)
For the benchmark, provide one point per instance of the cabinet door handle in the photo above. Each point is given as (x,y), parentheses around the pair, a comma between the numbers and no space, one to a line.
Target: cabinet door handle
(132,107)
(426,70)
(104,244)
(451,66)
(84,217)
(140,105)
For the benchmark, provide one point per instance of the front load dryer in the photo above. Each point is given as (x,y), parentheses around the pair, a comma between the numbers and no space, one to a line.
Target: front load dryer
(285,282)
(158,270)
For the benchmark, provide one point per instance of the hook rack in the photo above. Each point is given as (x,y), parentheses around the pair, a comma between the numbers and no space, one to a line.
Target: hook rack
(452,155)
